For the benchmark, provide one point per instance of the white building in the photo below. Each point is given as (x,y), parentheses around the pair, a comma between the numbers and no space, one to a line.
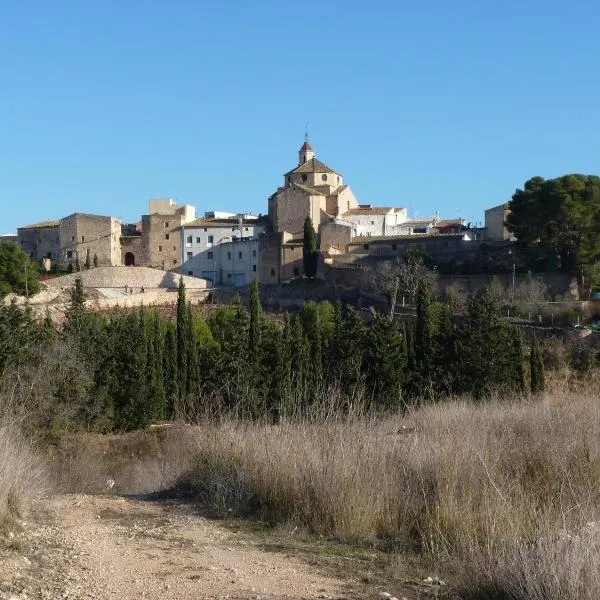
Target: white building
(226,251)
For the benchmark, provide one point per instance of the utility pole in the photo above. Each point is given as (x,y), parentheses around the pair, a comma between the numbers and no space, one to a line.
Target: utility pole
(513,279)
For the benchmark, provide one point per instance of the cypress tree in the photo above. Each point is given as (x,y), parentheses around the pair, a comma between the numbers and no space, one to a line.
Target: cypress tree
(193,374)
(309,249)
(538,377)
(518,360)
(423,336)
(88,262)
(182,346)
(255,321)
(76,309)
(171,376)
(155,344)
(95,261)
(386,361)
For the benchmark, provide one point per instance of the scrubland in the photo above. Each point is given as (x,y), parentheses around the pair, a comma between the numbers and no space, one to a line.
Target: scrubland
(501,497)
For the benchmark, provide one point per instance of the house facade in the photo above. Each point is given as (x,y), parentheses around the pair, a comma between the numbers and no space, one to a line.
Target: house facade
(226,250)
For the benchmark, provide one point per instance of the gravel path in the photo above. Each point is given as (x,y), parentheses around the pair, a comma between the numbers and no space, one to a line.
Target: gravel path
(104,547)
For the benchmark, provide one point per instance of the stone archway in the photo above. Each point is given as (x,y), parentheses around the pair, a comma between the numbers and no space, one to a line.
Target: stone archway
(129,259)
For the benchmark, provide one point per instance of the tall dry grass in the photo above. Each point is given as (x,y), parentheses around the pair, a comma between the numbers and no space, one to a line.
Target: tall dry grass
(504,494)
(22,474)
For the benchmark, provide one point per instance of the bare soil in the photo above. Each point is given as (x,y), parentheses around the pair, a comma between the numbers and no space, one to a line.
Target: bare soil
(83,546)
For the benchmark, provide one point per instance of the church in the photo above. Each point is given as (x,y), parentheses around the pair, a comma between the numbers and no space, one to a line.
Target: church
(311,189)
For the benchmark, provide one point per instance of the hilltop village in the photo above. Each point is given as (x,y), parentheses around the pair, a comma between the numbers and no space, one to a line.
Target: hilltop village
(236,249)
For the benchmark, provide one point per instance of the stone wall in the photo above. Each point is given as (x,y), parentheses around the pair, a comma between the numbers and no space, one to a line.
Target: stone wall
(289,208)
(40,242)
(82,235)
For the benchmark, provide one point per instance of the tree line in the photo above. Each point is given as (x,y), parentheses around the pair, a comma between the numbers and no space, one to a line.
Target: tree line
(128,370)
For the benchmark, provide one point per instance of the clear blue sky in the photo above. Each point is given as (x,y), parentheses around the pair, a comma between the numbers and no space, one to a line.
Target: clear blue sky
(432,105)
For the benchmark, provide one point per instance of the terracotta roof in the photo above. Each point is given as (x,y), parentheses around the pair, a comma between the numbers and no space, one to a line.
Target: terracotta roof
(306,147)
(309,189)
(378,210)
(313,166)
(41,224)
(448,222)
(363,239)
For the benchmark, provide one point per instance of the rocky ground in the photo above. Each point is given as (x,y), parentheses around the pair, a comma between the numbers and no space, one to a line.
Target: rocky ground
(82,546)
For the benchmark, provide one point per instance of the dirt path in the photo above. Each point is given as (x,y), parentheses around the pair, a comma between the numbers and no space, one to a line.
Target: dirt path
(111,547)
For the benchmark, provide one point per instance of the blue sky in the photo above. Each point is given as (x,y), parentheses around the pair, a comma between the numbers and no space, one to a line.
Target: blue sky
(432,105)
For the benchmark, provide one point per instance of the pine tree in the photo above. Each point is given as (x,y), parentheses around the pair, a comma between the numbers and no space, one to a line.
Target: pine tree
(538,377)
(309,249)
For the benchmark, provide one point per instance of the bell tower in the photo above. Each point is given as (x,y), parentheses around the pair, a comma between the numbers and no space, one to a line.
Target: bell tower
(306,152)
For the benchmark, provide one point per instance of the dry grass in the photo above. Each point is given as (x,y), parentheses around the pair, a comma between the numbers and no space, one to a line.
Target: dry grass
(502,497)
(22,474)
(505,495)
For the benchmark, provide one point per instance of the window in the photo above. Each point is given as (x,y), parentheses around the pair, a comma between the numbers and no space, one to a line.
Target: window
(304,177)
(198,240)
(174,261)
(69,254)
(324,177)
(246,229)
(394,246)
(189,255)
(174,247)
(210,255)
(239,255)
(229,256)
(72,238)
(211,239)
(160,248)
(253,253)
(372,222)
(166,236)
(83,238)
(296,271)
(254,268)
(366,246)
(228,275)
(233,229)
(272,272)
(188,239)
(166,224)
(191,273)
(205,229)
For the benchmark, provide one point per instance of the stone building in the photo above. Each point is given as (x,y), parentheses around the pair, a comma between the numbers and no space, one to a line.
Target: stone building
(224,250)
(40,240)
(495,219)
(280,257)
(311,189)
(84,235)
(160,244)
